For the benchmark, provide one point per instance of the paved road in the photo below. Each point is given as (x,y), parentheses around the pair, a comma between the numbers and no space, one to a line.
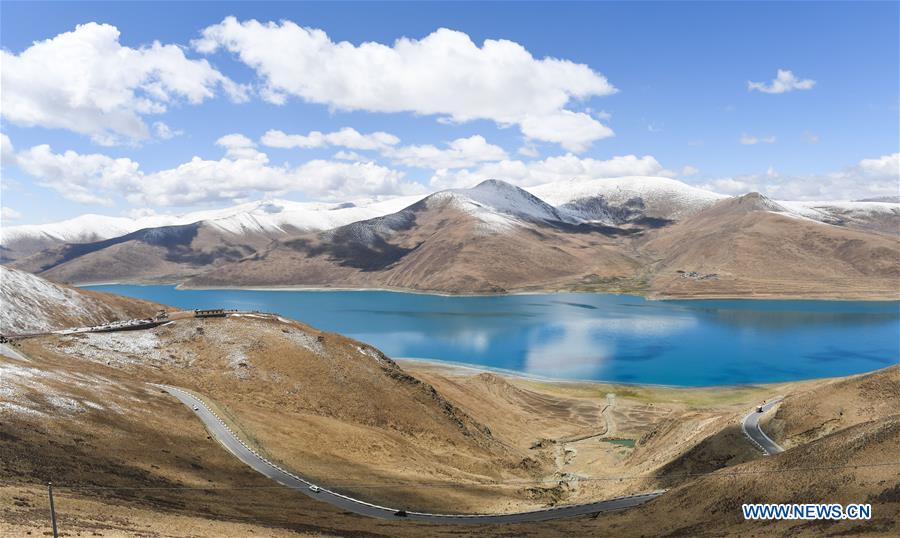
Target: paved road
(750,427)
(9,351)
(250,457)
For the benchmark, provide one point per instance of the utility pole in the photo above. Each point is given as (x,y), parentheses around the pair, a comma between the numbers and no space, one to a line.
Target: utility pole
(52,510)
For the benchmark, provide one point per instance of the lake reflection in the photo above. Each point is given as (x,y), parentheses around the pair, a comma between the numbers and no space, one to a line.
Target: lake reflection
(591,336)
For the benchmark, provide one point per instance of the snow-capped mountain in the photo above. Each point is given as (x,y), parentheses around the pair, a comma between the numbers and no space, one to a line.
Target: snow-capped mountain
(486,238)
(618,200)
(498,204)
(877,216)
(270,216)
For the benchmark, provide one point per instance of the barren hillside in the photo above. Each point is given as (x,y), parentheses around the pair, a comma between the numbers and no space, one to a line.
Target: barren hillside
(808,415)
(326,406)
(747,247)
(157,254)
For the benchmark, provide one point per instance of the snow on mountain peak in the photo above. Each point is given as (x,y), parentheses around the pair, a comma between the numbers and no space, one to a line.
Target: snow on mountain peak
(659,196)
(266,216)
(498,204)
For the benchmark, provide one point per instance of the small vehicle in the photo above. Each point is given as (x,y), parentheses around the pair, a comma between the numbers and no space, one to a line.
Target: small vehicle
(196,408)
(400,513)
(313,488)
(759,409)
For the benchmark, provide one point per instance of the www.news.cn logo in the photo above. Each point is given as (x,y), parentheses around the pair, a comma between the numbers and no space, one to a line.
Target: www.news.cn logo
(807,511)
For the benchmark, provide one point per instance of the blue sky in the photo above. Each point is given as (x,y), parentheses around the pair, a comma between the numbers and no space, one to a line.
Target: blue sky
(680,71)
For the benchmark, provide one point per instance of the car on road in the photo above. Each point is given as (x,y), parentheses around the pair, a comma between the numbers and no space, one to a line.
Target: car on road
(400,513)
(759,409)
(196,408)
(313,488)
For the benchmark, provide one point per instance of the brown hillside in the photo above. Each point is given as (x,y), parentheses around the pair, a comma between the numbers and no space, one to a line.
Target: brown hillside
(741,247)
(326,406)
(433,245)
(163,254)
(837,404)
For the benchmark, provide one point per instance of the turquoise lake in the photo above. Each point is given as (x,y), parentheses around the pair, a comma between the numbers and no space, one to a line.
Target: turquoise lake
(590,336)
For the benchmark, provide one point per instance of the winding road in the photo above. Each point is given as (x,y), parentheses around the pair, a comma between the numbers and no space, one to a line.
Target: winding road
(9,351)
(751,428)
(236,446)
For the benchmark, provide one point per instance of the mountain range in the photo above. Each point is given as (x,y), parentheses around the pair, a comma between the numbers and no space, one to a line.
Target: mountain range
(649,235)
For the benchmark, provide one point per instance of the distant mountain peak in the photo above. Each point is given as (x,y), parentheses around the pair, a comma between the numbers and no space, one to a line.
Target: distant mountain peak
(895,199)
(754,201)
(496,201)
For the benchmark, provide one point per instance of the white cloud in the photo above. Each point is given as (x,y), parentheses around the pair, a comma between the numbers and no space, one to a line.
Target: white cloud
(459,153)
(86,179)
(784,81)
(164,132)
(242,174)
(749,140)
(867,179)
(551,169)
(528,150)
(238,146)
(574,131)
(7,151)
(8,214)
(140,213)
(812,138)
(348,156)
(87,82)
(689,170)
(884,166)
(444,74)
(346,137)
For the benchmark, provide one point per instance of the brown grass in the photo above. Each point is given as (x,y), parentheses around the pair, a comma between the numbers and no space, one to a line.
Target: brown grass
(346,416)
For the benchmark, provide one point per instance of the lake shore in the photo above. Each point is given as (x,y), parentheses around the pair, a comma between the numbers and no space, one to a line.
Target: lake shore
(650,296)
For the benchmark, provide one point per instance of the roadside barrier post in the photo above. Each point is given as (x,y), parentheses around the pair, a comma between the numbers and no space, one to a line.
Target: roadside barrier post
(52,510)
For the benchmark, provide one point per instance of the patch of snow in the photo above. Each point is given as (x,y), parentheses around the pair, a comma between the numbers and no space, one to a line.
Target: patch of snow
(93,405)
(369,352)
(16,381)
(306,341)
(11,408)
(825,211)
(239,363)
(123,348)
(31,304)
(65,404)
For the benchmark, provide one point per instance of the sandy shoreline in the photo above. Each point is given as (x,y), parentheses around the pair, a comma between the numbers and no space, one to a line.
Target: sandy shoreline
(648,297)
(462,368)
